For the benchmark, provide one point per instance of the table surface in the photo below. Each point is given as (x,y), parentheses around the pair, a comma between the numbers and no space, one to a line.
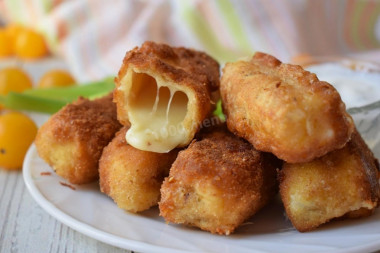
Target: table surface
(26,227)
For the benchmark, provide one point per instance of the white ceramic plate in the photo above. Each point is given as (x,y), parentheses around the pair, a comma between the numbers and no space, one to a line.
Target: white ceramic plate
(90,212)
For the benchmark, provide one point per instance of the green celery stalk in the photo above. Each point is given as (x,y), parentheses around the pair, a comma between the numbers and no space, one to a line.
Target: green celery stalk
(50,100)
(20,101)
(71,93)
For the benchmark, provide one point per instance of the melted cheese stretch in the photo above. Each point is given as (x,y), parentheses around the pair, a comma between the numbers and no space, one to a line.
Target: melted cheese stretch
(156,113)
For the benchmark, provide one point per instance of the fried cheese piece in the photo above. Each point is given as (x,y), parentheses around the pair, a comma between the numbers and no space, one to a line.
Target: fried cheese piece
(132,177)
(283,109)
(72,140)
(344,183)
(217,183)
(165,93)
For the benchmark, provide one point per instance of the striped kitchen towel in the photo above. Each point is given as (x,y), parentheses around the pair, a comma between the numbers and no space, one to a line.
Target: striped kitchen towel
(93,35)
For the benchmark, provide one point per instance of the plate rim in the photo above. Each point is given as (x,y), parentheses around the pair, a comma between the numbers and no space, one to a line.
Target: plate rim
(77,225)
(123,242)
(117,241)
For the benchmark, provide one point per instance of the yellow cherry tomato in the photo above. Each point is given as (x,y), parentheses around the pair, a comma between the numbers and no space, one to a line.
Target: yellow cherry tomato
(14,31)
(17,132)
(6,44)
(30,44)
(13,79)
(56,78)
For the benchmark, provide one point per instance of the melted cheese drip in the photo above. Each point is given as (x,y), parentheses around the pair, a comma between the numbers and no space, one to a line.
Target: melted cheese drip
(156,113)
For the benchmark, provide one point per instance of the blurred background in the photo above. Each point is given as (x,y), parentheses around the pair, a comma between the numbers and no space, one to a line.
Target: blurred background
(92,36)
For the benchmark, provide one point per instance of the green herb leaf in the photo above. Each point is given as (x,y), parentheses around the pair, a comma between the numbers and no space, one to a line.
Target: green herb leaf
(219,111)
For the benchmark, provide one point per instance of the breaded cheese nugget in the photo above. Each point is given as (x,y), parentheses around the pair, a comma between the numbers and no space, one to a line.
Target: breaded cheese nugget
(165,93)
(132,177)
(72,140)
(217,183)
(343,183)
(283,109)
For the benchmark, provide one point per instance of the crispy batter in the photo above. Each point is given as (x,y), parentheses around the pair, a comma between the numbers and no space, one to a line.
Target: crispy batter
(217,183)
(72,140)
(131,177)
(283,109)
(193,74)
(186,67)
(343,183)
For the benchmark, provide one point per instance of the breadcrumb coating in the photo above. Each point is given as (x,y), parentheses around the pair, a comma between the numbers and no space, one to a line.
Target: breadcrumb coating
(342,184)
(213,175)
(72,140)
(283,109)
(132,177)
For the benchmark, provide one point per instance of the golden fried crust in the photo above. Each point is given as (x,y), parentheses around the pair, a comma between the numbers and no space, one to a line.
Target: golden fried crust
(343,183)
(186,67)
(131,177)
(283,109)
(192,72)
(211,176)
(72,140)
